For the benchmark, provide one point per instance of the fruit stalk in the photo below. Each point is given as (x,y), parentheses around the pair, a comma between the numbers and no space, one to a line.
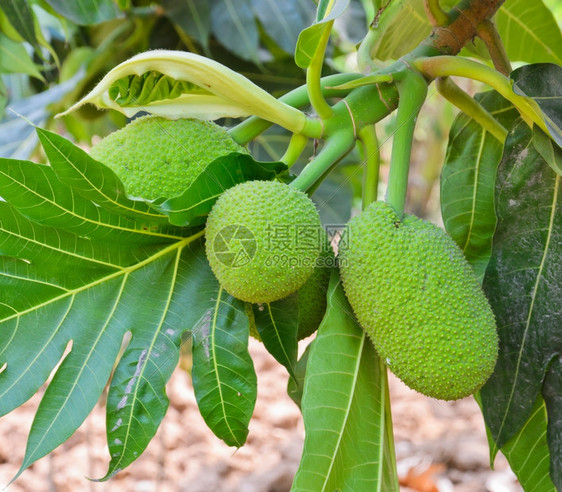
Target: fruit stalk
(371,159)
(335,148)
(445,66)
(468,105)
(412,90)
(253,126)
(294,149)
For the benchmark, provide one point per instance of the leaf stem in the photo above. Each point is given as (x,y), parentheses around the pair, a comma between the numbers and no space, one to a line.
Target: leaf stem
(336,147)
(314,75)
(294,149)
(371,159)
(468,105)
(488,33)
(444,66)
(412,90)
(253,126)
(436,15)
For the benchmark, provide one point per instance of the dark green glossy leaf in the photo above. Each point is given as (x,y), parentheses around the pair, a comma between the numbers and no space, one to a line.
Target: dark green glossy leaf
(543,83)
(233,24)
(523,284)
(527,451)
(85,12)
(467,181)
(283,21)
(224,379)
(552,392)
(344,408)
(22,20)
(548,149)
(192,16)
(277,324)
(15,59)
(295,385)
(193,205)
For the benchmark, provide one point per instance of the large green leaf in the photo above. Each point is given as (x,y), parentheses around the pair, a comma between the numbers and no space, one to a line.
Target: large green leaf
(233,24)
(74,269)
(529,31)
(192,16)
(277,324)
(528,454)
(527,451)
(224,379)
(136,402)
(467,181)
(22,20)
(15,59)
(193,205)
(283,21)
(85,12)
(523,284)
(543,83)
(552,392)
(347,446)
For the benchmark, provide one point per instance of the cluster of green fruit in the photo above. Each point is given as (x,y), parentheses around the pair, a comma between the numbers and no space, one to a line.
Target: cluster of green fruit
(407,282)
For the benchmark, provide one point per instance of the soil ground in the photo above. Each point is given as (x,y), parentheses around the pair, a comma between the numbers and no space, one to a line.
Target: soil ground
(440,447)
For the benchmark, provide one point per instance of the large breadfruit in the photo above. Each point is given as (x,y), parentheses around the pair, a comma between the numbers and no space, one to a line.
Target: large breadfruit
(263,240)
(418,299)
(156,157)
(312,295)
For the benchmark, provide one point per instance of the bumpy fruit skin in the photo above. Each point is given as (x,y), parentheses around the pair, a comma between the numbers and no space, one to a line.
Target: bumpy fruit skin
(418,299)
(276,230)
(312,295)
(156,157)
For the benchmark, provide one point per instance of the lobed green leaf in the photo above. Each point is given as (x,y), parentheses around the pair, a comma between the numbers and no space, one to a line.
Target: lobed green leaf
(77,275)
(347,446)
(224,379)
(277,324)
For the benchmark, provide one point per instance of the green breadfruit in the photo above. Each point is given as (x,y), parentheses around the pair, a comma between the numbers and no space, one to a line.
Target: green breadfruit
(418,299)
(311,298)
(262,240)
(156,157)
(312,295)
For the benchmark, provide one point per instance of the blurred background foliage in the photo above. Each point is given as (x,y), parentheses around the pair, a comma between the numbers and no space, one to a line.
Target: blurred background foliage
(52,52)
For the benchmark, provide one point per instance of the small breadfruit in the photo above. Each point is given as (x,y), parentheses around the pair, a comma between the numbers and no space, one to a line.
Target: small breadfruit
(157,157)
(262,240)
(418,299)
(312,295)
